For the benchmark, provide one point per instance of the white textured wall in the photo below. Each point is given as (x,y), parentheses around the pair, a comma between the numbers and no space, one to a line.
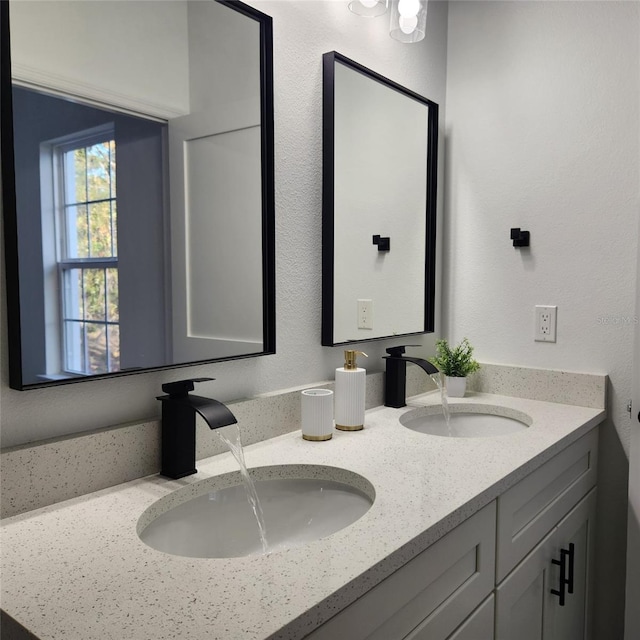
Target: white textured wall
(303,31)
(542,134)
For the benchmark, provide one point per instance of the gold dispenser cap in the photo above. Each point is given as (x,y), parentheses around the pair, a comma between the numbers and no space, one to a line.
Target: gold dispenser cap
(350,359)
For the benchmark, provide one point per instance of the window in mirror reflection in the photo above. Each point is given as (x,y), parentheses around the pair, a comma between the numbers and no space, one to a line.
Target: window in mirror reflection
(91,277)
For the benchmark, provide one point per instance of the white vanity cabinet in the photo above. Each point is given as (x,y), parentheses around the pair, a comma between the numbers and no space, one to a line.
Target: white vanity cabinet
(491,577)
(534,602)
(545,530)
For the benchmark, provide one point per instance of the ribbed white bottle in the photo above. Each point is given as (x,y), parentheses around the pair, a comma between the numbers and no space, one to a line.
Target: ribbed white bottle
(350,394)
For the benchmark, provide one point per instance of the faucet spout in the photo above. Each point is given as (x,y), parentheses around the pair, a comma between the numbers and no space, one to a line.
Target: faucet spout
(179,425)
(214,413)
(395,383)
(425,365)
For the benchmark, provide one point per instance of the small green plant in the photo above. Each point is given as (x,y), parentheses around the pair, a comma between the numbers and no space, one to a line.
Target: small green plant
(456,362)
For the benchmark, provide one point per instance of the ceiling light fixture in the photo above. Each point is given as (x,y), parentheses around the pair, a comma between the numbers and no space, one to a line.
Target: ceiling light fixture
(368,8)
(408,20)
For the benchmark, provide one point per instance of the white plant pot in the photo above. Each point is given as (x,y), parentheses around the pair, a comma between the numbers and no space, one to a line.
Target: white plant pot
(456,387)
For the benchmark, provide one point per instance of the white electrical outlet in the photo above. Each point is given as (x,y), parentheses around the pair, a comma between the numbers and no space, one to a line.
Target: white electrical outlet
(545,328)
(365,314)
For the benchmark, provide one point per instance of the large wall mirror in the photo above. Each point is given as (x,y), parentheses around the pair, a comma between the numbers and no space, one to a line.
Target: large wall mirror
(379,206)
(138,193)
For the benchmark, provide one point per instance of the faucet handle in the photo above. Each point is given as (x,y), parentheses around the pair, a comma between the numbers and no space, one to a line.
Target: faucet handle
(396,352)
(181,388)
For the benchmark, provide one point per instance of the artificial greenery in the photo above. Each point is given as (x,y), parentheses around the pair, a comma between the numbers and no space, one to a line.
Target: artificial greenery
(456,362)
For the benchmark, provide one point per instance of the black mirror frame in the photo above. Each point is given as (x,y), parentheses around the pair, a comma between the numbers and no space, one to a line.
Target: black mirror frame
(11,223)
(328,149)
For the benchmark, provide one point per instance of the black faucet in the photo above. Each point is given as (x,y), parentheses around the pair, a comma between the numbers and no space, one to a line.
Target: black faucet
(179,425)
(395,380)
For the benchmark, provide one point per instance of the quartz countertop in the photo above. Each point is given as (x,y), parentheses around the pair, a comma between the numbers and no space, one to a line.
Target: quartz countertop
(78,570)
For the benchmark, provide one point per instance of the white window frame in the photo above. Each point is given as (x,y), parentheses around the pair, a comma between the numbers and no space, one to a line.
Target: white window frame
(54,251)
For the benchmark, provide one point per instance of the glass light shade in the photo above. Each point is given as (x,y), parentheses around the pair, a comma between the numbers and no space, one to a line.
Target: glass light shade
(368,8)
(408,20)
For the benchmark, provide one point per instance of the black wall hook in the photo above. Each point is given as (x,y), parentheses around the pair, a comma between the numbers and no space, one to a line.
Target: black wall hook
(384,244)
(520,238)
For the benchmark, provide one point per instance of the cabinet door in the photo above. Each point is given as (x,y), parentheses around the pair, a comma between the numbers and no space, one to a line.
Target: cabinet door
(525,607)
(522,598)
(478,626)
(572,621)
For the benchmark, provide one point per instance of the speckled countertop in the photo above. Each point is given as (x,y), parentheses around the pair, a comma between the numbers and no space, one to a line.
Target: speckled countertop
(78,570)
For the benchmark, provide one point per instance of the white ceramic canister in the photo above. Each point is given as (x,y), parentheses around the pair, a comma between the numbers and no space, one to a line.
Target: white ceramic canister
(317,414)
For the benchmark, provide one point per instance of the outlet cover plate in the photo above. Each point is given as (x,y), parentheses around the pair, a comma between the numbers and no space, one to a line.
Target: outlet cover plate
(365,314)
(545,323)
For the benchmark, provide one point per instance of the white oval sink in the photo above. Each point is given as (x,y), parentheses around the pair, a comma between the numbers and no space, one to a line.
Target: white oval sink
(466,421)
(214,519)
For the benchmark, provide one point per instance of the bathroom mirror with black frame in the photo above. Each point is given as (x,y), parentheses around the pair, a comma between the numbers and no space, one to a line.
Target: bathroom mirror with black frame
(138,186)
(380,143)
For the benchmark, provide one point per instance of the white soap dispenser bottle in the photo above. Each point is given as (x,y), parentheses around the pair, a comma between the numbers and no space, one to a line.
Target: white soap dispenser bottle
(349,393)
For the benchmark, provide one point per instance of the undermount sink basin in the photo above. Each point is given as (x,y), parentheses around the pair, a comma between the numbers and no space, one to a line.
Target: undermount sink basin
(466,421)
(214,518)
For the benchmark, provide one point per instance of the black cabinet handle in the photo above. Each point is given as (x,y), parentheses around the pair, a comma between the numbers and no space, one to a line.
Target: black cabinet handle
(571,565)
(566,564)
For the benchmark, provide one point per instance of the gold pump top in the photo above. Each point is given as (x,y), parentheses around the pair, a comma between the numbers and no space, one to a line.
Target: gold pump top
(350,359)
